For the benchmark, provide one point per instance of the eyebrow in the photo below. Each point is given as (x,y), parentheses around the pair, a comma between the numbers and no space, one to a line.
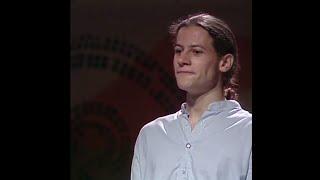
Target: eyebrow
(191,46)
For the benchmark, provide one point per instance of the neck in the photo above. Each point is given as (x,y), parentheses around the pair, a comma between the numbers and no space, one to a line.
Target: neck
(197,104)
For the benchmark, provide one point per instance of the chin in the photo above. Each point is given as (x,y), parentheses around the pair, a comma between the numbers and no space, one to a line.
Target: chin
(191,88)
(185,86)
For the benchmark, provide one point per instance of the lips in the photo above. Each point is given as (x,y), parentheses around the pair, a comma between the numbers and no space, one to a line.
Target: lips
(184,72)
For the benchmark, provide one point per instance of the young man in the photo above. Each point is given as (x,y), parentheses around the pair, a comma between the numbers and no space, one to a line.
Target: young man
(210,138)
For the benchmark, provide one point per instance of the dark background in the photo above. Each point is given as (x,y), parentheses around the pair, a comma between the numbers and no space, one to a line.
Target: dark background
(121,75)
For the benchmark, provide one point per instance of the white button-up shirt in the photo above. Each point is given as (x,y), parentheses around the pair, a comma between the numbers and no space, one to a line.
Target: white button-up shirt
(218,148)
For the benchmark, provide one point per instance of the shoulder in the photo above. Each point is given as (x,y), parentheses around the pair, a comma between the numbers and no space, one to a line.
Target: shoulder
(159,123)
(240,116)
(245,118)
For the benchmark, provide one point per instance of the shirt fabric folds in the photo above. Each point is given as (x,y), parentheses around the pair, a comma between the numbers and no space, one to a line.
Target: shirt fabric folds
(218,148)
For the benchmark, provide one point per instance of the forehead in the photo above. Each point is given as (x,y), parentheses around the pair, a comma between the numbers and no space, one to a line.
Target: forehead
(190,35)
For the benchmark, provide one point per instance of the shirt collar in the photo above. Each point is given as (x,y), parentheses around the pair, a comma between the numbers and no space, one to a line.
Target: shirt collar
(215,107)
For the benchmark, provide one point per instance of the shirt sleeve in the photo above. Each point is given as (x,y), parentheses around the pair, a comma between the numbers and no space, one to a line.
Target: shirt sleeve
(249,174)
(138,164)
(135,168)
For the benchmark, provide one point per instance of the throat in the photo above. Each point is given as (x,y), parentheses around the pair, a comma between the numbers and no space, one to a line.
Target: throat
(193,121)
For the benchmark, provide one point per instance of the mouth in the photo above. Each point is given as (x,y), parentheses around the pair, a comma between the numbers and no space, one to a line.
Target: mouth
(185,72)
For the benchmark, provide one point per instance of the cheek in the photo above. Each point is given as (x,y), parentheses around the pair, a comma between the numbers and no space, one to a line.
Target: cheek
(210,71)
(174,60)
(174,64)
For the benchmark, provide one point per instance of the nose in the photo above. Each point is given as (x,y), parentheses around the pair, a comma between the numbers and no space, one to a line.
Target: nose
(183,59)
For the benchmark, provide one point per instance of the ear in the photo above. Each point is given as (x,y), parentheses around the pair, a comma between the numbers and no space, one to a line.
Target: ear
(226,62)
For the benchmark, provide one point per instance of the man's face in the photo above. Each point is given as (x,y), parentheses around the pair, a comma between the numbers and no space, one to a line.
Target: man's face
(195,60)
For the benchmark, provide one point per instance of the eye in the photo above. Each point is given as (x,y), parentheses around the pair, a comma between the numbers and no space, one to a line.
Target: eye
(197,52)
(177,50)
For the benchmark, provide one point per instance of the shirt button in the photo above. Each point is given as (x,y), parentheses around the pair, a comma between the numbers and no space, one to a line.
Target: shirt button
(188,145)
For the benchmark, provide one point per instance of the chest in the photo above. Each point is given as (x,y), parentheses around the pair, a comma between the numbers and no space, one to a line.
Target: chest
(203,150)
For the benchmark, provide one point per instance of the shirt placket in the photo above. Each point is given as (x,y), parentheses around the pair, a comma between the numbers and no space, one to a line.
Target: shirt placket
(190,136)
